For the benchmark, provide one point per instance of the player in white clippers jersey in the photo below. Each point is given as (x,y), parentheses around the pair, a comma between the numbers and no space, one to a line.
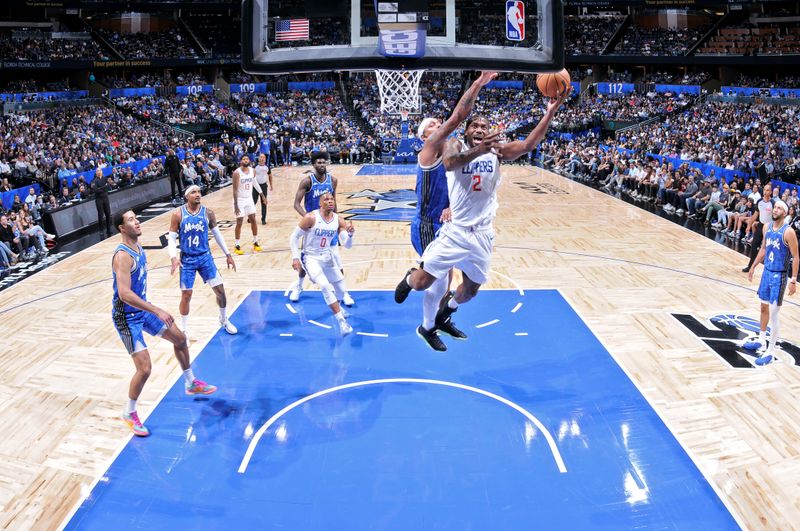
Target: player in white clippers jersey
(263,178)
(316,231)
(244,180)
(473,176)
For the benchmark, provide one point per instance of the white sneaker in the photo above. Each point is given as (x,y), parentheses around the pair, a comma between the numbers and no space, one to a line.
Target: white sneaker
(228,326)
(294,295)
(348,300)
(345,328)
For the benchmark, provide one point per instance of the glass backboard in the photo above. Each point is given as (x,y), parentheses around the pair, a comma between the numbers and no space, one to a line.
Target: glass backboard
(284,36)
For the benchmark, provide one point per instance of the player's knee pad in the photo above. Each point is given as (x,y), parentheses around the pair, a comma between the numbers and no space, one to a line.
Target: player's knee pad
(328,293)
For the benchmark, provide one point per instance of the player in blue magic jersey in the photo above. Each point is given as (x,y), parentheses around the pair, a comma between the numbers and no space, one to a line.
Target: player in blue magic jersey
(191,224)
(432,201)
(133,315)
(306,200)
(778,252)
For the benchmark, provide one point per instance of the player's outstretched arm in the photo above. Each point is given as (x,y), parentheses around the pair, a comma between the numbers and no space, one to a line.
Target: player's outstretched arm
(434,143)
(455,159)
(514,150)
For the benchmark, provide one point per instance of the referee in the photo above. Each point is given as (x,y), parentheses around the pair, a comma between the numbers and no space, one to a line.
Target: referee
(100,191)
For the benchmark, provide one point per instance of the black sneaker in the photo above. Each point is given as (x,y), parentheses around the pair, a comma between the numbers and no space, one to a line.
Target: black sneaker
(445,311)
(449,328)
(403,289)
(746,269)
(432,339)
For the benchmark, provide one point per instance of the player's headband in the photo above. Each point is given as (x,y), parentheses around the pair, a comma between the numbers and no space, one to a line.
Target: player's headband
(191,189)
(423,124)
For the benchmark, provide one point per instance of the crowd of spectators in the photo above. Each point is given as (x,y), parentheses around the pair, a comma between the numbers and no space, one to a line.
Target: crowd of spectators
(219,33)
(41,46)
(491,30)
(59,143)
(19,86)
(169,43)
(589,34)
(762,82)
(755,139)
(638,40)
(134,80)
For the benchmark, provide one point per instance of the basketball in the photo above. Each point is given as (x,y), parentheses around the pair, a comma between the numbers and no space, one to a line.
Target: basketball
(553,84)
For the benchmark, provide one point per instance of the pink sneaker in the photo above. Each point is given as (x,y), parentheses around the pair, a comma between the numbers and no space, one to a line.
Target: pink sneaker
(135,424)
(199,387)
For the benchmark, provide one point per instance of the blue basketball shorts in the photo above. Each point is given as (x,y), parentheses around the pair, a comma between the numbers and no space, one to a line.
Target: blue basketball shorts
(203,264)
(423,232)
(772,287)
(131,327)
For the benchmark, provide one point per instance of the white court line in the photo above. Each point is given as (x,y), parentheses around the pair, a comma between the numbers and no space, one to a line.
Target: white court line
(263,429)
(313,322)
(370,334)
(700,464)
(520,333)
(290,308)
(489,323)
(286,335)
(517,307)
(519,288)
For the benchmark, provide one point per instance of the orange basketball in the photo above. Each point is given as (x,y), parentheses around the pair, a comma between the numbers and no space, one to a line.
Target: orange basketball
(551,85)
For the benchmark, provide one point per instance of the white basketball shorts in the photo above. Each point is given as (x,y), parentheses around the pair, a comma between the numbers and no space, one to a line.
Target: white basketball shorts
(467,249)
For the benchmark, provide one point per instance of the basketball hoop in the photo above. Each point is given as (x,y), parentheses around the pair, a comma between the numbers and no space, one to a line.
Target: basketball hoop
(399,90)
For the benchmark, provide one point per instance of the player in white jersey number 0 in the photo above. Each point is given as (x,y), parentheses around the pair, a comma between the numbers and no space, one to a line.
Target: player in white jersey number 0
(316,231)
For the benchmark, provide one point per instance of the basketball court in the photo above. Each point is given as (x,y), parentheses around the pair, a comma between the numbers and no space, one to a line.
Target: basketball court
(603,383)
(580,399)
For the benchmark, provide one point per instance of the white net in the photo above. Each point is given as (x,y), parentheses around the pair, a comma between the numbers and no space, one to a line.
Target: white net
(399,90)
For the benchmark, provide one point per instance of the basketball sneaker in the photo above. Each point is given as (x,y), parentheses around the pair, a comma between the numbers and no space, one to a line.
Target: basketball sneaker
(228,326)
(199,387)
(765,359)
(345,328)
(294,294)
(136,426)
(256,248)
(432,339)
(448,327)
(403,289)
(238,250)
(752,344)
(347,300)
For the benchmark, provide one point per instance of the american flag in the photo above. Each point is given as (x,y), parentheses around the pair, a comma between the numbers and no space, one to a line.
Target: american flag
(295,29)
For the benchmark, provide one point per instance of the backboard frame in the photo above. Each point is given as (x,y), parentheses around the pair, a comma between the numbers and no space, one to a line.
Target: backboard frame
(440,55)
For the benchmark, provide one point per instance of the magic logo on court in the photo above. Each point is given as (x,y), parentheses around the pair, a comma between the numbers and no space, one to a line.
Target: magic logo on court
(394,205)
(728,332)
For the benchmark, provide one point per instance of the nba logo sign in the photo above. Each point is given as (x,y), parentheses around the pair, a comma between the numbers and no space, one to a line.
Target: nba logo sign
(515,20)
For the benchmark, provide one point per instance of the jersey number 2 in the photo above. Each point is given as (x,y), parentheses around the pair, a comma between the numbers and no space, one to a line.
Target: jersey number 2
(476,183)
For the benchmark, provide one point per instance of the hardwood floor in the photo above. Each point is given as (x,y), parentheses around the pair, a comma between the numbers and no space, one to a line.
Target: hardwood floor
(64,372)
